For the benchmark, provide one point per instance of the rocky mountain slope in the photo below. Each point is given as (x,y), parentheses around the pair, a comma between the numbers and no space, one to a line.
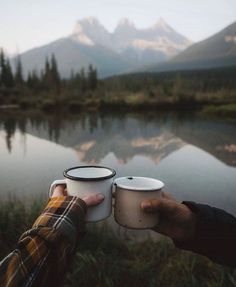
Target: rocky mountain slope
(111,53)
(215,51)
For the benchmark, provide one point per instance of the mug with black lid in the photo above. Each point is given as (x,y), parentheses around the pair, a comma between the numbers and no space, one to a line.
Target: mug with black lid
(84,180)
(129,193)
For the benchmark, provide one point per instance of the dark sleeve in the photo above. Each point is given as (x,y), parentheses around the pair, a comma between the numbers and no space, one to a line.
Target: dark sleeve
(215,235)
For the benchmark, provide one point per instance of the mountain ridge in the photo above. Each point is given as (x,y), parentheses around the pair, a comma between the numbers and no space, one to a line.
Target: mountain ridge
(215,51)
(120,51)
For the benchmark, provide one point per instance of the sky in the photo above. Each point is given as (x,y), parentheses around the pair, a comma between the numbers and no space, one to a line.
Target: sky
(25,24)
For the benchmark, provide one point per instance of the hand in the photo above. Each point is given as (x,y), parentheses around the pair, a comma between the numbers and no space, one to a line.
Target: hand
(90,200)
(176,220)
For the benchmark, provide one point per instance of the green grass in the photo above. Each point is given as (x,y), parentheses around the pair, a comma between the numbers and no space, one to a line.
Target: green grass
(228,110)
(151,98)
(105,260)
(15,218)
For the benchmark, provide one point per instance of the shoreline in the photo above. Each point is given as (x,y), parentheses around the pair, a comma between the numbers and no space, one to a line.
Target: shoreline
(224,109)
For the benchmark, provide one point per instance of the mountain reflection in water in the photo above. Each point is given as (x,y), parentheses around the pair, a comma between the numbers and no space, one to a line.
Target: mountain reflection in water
(94,136)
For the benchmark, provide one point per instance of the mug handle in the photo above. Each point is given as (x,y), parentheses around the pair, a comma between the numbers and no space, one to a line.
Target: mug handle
(54,184)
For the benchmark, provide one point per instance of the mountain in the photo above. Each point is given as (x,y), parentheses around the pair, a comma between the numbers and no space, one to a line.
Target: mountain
(159,41)
(72,55)
(215,51)
(111,53)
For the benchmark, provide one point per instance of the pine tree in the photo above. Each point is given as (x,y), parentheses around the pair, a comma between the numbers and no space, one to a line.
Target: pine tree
(6,76)
(19,73)
(51,77)
(92,78)
(3,69)
(33,81)
(55,77)
(9,81)
(1,60)
(29,80)
(83,80)
(47,74)
(47,66)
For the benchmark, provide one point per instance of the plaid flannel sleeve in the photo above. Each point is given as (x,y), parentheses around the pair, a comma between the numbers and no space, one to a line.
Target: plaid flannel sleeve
(44,252)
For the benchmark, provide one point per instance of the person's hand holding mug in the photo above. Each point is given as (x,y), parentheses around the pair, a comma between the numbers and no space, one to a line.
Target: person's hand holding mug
(176,220)
(90,200)
(82,181)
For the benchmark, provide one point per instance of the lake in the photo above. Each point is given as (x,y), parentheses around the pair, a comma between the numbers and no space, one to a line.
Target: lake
(194,156)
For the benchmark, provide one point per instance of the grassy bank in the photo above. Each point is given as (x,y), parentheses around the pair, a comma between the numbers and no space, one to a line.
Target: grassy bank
(105,260)
(179,90)
(228,111)
(123,101)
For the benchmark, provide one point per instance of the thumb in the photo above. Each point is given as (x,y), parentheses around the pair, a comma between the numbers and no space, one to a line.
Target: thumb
(93,199)
(153,205)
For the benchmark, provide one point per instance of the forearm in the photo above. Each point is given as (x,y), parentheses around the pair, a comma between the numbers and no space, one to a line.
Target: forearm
(43,252)
(215,234)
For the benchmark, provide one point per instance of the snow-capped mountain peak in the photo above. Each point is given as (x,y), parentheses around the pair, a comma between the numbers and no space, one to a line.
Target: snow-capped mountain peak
(125,22)
(159,38)
(90,31)
(162,24)
(81,37)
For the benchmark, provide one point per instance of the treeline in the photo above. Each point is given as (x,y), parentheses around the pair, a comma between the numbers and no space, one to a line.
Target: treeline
(48,79)
(170,90)
(206,80)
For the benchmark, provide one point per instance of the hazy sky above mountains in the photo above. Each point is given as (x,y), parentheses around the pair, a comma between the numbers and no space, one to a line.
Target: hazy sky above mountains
(29,23)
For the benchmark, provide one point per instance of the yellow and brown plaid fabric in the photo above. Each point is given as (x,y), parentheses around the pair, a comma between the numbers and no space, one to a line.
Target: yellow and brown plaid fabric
(44,252)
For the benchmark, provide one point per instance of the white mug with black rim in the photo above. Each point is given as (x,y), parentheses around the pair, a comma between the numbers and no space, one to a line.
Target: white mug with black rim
(84,180)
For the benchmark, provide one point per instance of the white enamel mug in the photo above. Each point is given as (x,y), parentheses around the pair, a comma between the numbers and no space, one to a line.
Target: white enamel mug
(129,193)
(84,180)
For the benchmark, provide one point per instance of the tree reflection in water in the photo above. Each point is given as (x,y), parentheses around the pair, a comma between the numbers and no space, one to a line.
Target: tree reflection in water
(94,135)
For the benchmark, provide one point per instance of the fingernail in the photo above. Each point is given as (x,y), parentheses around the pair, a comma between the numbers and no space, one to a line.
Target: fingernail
(100,196)
(146,206)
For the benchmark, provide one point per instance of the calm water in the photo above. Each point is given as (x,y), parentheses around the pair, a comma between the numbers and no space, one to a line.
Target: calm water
(195,157)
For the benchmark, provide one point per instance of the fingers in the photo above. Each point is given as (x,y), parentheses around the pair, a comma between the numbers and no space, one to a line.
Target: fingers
(164,203)
(59,190)
(161,205)
(93,199)
(90,200)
